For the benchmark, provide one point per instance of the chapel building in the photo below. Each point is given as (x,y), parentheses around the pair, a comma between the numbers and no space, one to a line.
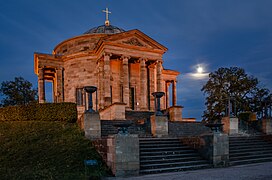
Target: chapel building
(125,66)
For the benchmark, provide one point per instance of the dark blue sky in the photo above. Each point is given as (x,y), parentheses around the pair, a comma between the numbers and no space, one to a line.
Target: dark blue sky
(208,32)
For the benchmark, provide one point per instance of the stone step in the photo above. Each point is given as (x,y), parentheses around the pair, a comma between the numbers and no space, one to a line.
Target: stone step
(248,144)
(174,149)
(251,146)
(252,149)
(250,156)
(169,156)
(259,143)
(171,164)
(243,139)
(158,139)
(169,160)
(166,152)
(250,161)
(174,169)
(249,153)
(166,144)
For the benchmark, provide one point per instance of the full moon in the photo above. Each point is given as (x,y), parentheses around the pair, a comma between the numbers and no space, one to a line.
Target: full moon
(199,69)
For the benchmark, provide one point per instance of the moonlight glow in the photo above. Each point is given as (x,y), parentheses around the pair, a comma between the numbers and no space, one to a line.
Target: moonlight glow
(199,69)
(199,72)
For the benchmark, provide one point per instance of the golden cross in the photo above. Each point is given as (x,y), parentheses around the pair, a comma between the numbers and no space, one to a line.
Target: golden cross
(107,13)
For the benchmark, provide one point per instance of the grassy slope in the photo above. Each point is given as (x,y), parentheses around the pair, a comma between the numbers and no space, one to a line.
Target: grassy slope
(44,150)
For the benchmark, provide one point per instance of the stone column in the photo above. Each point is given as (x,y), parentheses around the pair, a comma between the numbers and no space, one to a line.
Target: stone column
(59,84)
(41,86)
(174,93)
(107,83)
(143,85)
(152,83)
(125,80)
(159,76)
(167,84)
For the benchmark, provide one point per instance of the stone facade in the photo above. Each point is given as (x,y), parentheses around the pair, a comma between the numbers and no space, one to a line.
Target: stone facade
(126,67)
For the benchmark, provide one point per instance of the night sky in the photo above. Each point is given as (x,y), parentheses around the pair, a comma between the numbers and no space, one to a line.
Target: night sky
(207,33)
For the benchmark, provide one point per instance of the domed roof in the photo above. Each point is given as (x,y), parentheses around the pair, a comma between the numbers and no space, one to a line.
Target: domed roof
(105,29)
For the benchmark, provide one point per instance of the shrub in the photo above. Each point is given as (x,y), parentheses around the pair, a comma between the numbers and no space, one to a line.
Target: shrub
(45,150)
(66,112)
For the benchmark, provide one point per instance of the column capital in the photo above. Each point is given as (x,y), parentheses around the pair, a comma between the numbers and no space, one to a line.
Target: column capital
(143,59)
(123,57)
(159,61)
(152,65)
(168,83)
(107,54)
(137,61)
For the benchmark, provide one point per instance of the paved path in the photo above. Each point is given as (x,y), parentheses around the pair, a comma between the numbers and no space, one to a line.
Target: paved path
(262,171)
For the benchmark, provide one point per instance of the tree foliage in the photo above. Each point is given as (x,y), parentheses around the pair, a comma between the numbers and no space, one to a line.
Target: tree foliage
(234,85)
(17,92)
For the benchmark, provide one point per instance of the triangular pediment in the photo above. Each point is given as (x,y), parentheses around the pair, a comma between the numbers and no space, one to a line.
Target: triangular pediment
(134,39)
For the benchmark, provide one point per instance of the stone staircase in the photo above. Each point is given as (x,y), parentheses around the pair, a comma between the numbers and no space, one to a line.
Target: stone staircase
(168,155)
(249,149)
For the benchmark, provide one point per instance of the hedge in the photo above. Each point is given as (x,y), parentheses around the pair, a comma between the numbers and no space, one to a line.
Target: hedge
(66,112)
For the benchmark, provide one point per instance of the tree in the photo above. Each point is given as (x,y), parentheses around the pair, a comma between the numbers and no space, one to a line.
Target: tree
(17,92)
(261,102)
(228,85)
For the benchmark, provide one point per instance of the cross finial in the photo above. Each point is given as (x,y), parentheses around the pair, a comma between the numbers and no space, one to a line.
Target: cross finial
(107,22)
